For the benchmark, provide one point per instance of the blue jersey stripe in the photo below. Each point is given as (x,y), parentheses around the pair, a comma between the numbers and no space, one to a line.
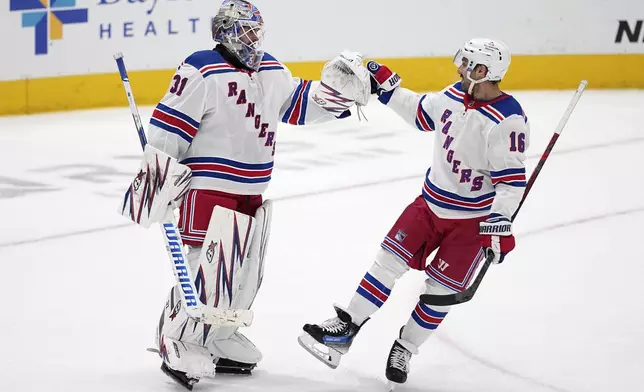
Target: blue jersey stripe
(270,68)
(488,115)
(454,97)
(230,177)
(171,129)
(305,101)
(518,184)
(179,114)
(219,71)
(296,94)
(507,172)
(441,204)
(454,196)
(229,162)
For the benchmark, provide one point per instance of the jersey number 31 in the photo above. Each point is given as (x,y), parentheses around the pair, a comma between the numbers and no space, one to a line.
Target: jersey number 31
(178,84)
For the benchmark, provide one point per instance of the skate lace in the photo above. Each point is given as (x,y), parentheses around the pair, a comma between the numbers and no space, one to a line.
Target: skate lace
(334,325)
(399,358)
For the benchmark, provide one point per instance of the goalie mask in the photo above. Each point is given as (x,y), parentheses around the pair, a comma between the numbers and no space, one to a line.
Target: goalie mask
(494,55)
(239,27)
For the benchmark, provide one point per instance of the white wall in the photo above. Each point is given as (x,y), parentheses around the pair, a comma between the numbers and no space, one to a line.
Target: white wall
(315,30)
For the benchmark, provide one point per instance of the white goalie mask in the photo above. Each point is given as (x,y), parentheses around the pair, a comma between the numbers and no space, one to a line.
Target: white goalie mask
(495,55)
(239,26)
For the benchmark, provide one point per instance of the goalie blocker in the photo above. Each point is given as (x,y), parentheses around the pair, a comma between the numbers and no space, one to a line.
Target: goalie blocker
(160,182)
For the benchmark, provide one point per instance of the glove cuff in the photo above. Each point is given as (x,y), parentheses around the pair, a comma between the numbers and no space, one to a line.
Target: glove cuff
(501,227)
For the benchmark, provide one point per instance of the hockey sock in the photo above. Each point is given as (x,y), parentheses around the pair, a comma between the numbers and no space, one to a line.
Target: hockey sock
(375,287)
(425,319)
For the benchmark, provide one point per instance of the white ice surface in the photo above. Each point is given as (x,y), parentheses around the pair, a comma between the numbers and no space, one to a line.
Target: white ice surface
(82,289)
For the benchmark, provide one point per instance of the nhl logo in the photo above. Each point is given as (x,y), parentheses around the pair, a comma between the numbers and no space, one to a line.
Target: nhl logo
(138,180)
(400,236)
(210,253)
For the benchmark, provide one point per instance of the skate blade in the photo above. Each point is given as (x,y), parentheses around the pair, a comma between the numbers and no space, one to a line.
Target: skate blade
(324,354)
(391,386)
(186,384)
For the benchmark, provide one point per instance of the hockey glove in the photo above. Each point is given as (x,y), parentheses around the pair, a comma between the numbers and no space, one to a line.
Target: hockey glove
(496,237)
(383,80)
(161,181)
(344,81)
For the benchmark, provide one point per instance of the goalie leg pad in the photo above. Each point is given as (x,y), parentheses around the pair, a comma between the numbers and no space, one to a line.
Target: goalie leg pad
(194,360)
(250,274)
(237,348)
(257,253)
(228,270)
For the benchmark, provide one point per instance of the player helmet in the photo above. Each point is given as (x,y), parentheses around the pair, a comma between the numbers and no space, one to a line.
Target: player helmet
(239,27)
(495,55)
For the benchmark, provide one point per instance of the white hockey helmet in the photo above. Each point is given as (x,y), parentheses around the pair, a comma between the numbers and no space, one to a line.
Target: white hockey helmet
(494,54)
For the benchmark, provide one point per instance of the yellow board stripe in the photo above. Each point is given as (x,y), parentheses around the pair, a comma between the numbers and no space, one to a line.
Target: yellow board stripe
(532,72)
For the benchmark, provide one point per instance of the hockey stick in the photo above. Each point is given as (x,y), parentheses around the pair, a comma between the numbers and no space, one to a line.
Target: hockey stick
(467,294)
(174,246)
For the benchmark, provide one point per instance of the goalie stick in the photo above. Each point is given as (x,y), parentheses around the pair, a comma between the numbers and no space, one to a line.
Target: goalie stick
(174,246)
(467,294)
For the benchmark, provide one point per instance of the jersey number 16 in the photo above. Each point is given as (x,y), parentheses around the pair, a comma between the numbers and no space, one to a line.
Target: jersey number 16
(517,143)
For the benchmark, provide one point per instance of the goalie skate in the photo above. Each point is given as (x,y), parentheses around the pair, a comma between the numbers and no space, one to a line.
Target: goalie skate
(179,377)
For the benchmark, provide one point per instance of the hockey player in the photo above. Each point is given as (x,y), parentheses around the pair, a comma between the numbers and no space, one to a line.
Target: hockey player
(470,193)
(213,135)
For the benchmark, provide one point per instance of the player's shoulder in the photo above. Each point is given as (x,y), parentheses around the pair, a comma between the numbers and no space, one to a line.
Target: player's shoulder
(270,63)
(209,62)
(454,92)
(503,108)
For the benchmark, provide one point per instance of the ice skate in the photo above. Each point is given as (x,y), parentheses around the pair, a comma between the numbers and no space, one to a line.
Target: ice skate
(179,377)
(235,355)
(398,362)
(331,339)
(228,366)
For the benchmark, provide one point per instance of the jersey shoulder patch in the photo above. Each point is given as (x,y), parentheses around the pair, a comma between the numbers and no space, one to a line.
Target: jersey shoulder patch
(270,63)
(209,62)
(502,108)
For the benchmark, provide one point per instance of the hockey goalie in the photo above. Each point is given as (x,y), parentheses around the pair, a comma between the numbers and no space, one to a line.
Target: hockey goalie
(212,139)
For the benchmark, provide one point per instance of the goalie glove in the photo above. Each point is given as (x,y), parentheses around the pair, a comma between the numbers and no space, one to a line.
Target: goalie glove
(345,81)
(496,237)
(383,80)
(161,181)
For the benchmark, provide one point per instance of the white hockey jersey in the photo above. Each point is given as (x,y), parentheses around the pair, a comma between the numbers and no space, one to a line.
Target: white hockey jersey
(222,121)
(479,151)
